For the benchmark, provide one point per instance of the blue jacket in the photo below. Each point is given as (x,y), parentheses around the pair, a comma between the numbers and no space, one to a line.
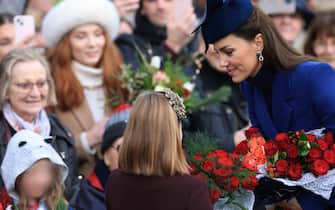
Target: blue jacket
(302,98)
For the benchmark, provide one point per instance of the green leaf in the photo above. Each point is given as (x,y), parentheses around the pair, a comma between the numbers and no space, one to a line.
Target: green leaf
(199,143)
(282,155)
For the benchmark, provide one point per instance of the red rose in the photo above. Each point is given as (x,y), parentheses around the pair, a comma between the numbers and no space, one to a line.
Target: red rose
(319,167)
(253,181)
(207,166)
(332,147)
(197,157)
(214,194)
(329,156)
(241,148)
(250,183)
(282,141)
(281,167)
(322,144)
(223,172)
(232,185)
(295,171)
(251,132)
(270,148)
(329,138)
(211,154)
(292,151)
(235,182)
(221,153)
(281,137)
(314,153)
(311,137)
(225,161)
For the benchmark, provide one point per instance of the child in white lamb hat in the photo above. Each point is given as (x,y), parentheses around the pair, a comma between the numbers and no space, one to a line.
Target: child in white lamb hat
(33,174)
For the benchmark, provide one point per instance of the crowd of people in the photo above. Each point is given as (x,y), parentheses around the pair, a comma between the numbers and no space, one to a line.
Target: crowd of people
(65,145)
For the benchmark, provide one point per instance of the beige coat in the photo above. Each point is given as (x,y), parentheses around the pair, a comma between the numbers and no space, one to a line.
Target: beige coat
(79,120)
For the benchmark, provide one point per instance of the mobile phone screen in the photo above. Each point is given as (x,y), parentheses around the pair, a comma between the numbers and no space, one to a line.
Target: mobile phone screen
(24,27)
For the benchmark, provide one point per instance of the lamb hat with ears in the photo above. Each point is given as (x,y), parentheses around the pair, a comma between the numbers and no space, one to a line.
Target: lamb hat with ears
(69,14)
(24,149)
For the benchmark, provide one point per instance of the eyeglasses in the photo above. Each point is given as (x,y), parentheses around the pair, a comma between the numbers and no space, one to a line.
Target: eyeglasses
(28,86)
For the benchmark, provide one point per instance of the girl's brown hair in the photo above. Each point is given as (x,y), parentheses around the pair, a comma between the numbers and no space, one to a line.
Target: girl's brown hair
(277,53)
(53,195)
(152,143)
(69,92)
(322,25)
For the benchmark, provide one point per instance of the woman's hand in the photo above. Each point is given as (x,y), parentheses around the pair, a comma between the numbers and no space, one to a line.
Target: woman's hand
(179,31)
(125,7)
(34,41)
(94,134)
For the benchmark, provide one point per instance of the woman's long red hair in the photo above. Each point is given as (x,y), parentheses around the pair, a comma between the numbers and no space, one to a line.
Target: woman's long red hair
(69,91)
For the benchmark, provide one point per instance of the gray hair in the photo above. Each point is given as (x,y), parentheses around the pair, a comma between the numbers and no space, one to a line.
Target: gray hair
(18,56)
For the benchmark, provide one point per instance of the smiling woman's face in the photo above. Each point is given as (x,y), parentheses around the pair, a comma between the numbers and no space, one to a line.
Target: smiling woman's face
(28,89)
(238,56)
(87,44)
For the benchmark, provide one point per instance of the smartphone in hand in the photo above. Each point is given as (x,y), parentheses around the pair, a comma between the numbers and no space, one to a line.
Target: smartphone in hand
(24,27)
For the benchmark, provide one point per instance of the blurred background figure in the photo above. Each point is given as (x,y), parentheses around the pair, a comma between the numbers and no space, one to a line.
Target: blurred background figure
(26,89)
(224,120)
(33,173)
(84,61)
(290,18)
(159,30)
(92,191)
(7,36)
(127,10)
(320,41)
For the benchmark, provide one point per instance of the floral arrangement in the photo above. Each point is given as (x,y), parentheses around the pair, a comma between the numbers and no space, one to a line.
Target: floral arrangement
(226,173)
(157,75)
(292,154)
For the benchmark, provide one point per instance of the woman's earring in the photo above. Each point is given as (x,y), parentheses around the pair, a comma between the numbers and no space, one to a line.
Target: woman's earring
(260,56)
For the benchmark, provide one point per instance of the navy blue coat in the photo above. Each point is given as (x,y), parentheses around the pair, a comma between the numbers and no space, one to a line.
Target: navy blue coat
(302,98)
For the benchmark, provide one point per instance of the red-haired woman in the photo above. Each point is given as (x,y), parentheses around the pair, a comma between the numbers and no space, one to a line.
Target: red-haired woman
(83,61)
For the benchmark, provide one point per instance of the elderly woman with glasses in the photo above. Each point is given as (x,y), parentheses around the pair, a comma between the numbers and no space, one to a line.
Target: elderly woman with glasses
(26,88)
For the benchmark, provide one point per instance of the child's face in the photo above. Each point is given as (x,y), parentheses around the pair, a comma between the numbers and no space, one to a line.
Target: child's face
(111,156)
(37,179)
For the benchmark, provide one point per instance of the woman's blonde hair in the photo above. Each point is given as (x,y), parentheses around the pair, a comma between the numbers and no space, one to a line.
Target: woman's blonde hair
(53,195)
(21,56)
(153,140)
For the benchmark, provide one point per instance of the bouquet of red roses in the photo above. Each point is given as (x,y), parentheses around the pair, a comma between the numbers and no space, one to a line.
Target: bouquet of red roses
(295,153)
(305,159)
(228,173)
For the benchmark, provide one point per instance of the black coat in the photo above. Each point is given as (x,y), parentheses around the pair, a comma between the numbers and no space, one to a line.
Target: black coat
(150,40)
(218,120)
(63,143)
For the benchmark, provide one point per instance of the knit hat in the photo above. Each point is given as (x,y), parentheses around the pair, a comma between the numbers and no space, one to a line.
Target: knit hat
(23,150)
(69,14)
(115,126)
(223,17)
